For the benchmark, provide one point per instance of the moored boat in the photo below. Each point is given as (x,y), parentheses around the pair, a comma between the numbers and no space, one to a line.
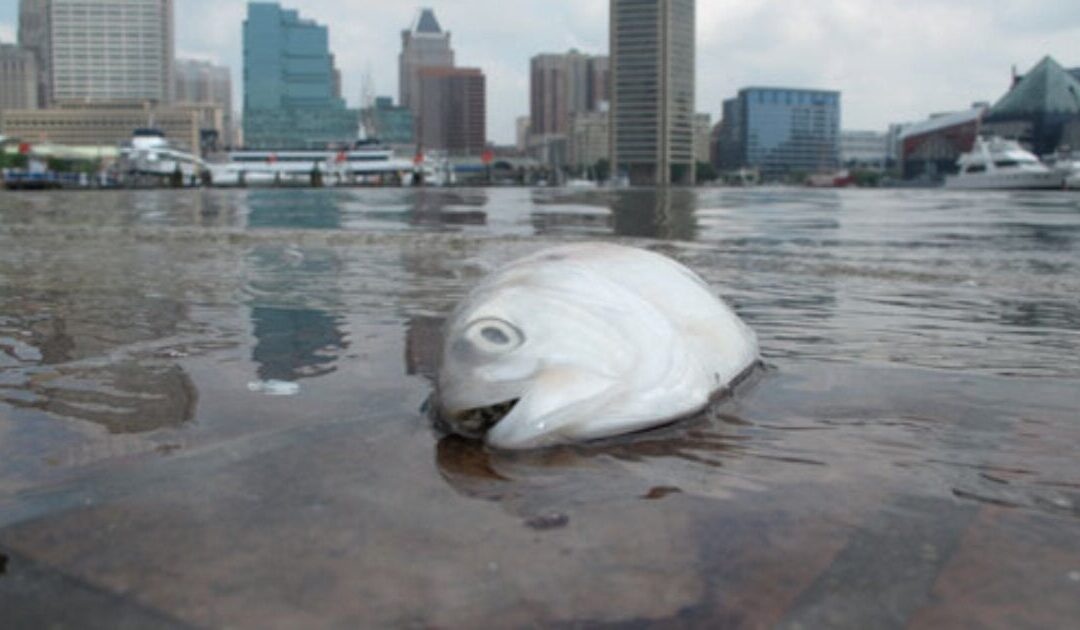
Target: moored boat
(1000,164)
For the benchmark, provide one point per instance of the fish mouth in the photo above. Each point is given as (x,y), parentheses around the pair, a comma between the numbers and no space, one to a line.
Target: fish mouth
(477,421)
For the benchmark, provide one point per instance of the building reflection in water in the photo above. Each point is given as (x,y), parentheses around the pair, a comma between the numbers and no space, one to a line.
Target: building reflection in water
(295,208)
(291,344)
(294,340)
(435,207)
(663,213)
(423,342)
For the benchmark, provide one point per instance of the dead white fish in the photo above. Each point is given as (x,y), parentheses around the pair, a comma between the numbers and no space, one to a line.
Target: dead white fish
(586,341)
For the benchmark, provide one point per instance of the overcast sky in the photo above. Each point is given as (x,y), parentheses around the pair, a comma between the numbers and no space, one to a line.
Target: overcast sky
(894,60)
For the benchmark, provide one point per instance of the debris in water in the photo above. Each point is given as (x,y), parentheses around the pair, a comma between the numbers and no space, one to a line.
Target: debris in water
(659,492)
(550,520)
(3,564)
(274,388)
(168,449)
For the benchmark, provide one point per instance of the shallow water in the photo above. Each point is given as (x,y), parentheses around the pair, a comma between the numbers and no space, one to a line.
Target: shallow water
(211,414)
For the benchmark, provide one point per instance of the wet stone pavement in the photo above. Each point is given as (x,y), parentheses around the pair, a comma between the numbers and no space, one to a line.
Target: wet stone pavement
(212,414)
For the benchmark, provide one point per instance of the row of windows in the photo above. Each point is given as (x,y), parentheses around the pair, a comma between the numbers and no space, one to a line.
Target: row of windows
(792,97)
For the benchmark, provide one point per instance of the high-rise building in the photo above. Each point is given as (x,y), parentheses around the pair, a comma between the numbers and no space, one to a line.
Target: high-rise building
(588,138)
(389,123)
(18,78)
(204,82)
(782,130)
(562,85)
(423,45)
(523,126)
(289,93)
(34,36)
(652,90)
(729,137)
(103,51)
(453,116)
(702,137)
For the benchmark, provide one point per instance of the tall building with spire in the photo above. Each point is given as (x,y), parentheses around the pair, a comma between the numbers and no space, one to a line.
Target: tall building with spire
(290,97)
(652,97)
(423,45)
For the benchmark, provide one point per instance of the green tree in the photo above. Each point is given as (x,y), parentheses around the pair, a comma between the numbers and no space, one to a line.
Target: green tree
(602,170)
(705,172)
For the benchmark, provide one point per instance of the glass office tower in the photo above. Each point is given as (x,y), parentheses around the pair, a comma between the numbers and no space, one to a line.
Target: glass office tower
(785,130)
(289,94)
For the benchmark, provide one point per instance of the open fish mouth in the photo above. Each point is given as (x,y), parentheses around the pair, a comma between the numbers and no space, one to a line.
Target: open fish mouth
(477,421)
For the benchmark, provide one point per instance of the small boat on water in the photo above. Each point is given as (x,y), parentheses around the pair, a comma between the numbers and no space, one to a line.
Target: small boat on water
(837,179)
(1000,164)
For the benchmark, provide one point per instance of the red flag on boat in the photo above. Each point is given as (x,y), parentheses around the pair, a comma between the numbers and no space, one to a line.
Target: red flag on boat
(272,159)
(24,148)
(488,156)
(418,158)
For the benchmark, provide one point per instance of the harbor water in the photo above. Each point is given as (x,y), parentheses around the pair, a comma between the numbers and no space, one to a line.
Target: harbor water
(213,414)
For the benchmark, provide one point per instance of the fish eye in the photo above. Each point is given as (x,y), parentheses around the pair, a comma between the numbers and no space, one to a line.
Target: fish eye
(494,335)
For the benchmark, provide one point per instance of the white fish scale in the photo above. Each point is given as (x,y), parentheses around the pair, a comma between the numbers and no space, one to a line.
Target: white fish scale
(614,339)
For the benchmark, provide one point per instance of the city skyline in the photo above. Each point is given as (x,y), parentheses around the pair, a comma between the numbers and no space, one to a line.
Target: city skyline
(893,61)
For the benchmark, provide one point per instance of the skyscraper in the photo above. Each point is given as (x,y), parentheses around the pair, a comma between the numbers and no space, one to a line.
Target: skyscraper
(423,45)
(781,130)
(289,91)
(204,82)
(18,78)
(652,99)
(34,36)
(453,116)
(102,51)
(562,85)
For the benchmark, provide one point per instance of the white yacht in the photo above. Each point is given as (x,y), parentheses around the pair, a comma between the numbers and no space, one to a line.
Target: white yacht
(997,163)
(149,153)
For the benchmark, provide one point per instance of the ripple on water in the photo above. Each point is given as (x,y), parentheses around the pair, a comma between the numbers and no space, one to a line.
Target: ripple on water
(918,410)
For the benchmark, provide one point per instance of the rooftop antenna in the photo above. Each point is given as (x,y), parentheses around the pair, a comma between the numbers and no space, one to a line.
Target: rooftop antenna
(367,88)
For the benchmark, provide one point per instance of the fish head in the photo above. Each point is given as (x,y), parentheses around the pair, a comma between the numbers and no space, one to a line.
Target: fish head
(521,363)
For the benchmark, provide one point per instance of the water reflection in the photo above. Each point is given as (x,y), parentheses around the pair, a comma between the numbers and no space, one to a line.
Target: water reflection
(662,213)
(434,207)
(291,344)
(89,357)
(295,208)
(423,340)
(294,341)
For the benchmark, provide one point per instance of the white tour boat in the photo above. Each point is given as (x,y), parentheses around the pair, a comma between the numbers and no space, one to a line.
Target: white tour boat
(149,153)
